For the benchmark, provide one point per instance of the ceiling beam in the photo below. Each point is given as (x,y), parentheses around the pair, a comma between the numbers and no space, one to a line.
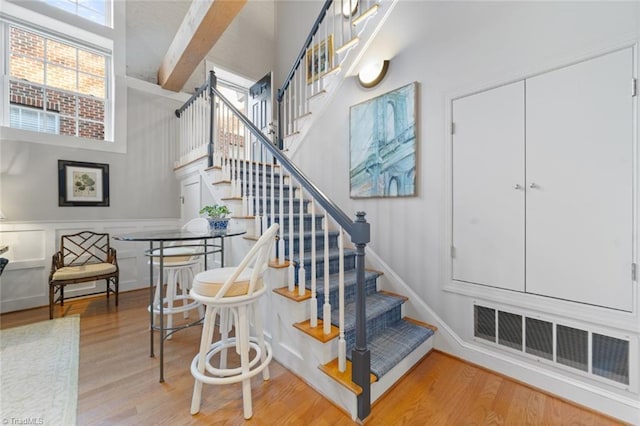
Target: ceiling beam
(203,25)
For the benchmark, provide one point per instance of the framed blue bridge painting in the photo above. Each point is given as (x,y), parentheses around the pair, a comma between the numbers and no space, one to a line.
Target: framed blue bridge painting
(382,147)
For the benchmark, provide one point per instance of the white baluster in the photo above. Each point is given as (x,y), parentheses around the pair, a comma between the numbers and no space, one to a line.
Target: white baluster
(265,196)
(291,237)
(243,189)
(199,122)
(204,120)
(227,137)
(232,166)
(326,307)
(290,110)
(259,205)
(302,277)
(342,344)
(281,259)
(313,311)
(251,200)
(221,140)
(238,158)
(272,215)
(190,129)
(178,155)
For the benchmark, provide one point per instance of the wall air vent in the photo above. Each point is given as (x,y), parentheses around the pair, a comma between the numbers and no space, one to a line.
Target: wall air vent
(484,326)
(610,358)
(539,338)
(579,349)
(572,347)
(510,330)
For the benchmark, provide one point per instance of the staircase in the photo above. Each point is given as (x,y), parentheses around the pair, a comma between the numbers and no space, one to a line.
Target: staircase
(329,319)
(300,343)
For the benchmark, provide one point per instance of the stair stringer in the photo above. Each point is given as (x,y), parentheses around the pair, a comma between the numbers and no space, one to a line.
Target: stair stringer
(333,82)
(300,353)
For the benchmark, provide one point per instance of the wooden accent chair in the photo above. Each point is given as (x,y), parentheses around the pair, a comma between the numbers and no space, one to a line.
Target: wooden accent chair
(85,256)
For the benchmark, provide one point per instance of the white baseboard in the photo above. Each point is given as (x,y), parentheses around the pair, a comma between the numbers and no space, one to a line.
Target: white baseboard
(589,395)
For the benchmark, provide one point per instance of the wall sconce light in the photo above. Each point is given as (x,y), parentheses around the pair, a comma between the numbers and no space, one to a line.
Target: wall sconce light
(373,73)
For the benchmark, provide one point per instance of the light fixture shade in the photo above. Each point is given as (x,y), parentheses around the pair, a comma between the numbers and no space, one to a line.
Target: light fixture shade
(373,73)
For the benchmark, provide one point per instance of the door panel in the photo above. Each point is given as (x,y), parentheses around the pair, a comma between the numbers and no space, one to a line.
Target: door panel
(579,158)
(260,107)
(488,208)
(190,199)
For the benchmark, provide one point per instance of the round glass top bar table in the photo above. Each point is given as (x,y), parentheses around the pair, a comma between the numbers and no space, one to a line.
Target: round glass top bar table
(158,242)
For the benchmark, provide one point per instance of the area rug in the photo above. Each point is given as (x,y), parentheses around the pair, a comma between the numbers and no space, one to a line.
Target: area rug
(39,372)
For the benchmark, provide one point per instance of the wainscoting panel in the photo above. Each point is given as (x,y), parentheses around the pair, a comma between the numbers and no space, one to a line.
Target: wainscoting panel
(24,282)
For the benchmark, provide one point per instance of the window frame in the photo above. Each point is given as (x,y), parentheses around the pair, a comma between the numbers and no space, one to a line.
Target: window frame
(6,28)
(108,11)
(31,15)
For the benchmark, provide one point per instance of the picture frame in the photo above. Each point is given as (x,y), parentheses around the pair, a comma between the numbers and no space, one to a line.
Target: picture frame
(83,184)
(319,59)
(383,145)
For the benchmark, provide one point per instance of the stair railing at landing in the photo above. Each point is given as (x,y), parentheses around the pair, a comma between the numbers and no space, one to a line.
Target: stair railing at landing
(333,34)
(274,193)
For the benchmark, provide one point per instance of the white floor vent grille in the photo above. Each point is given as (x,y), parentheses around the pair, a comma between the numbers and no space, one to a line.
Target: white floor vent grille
(584,350)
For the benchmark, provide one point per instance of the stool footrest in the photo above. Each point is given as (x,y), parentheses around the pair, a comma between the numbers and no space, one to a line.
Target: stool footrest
(223,376)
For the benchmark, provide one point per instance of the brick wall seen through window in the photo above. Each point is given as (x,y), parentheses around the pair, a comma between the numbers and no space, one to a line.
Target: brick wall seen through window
(58,78)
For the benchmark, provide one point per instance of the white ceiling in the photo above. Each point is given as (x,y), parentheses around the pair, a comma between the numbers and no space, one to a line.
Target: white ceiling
(245,48)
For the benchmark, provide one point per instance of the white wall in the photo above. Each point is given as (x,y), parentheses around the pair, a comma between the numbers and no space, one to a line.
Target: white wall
(452,49)
(144,194)
(142,183)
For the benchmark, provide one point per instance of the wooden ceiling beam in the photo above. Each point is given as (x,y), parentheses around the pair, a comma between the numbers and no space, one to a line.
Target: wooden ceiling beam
(203,25)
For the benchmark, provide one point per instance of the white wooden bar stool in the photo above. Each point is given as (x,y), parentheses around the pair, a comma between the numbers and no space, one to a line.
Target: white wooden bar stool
(233,293)
(180,264)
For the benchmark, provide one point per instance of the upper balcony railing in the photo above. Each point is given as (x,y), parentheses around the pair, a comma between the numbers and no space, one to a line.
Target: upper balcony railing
(335,31)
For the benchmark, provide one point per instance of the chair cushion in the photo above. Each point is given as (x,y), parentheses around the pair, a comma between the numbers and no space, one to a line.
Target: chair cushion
(83,271)
(208,283)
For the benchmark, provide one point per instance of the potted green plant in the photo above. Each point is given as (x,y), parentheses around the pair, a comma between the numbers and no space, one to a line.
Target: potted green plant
(216,215)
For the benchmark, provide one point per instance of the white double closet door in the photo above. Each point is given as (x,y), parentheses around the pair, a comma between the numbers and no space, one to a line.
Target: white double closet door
(543,184)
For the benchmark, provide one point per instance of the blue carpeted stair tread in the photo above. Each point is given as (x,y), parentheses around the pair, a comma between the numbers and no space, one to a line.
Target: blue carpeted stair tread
(350,278)
(393,344)
(334,253)
(307,234)
(377,304)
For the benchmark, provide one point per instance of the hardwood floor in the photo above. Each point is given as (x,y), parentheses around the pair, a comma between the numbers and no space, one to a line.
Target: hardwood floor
(118,383)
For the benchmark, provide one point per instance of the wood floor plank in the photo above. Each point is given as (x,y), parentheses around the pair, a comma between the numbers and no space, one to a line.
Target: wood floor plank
(118,383)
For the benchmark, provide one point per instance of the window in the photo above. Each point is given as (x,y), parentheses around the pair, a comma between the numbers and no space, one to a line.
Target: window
(93,10)
(55,85)
(229,127)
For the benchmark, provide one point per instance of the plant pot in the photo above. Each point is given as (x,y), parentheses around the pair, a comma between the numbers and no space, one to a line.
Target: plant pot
(217,224)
